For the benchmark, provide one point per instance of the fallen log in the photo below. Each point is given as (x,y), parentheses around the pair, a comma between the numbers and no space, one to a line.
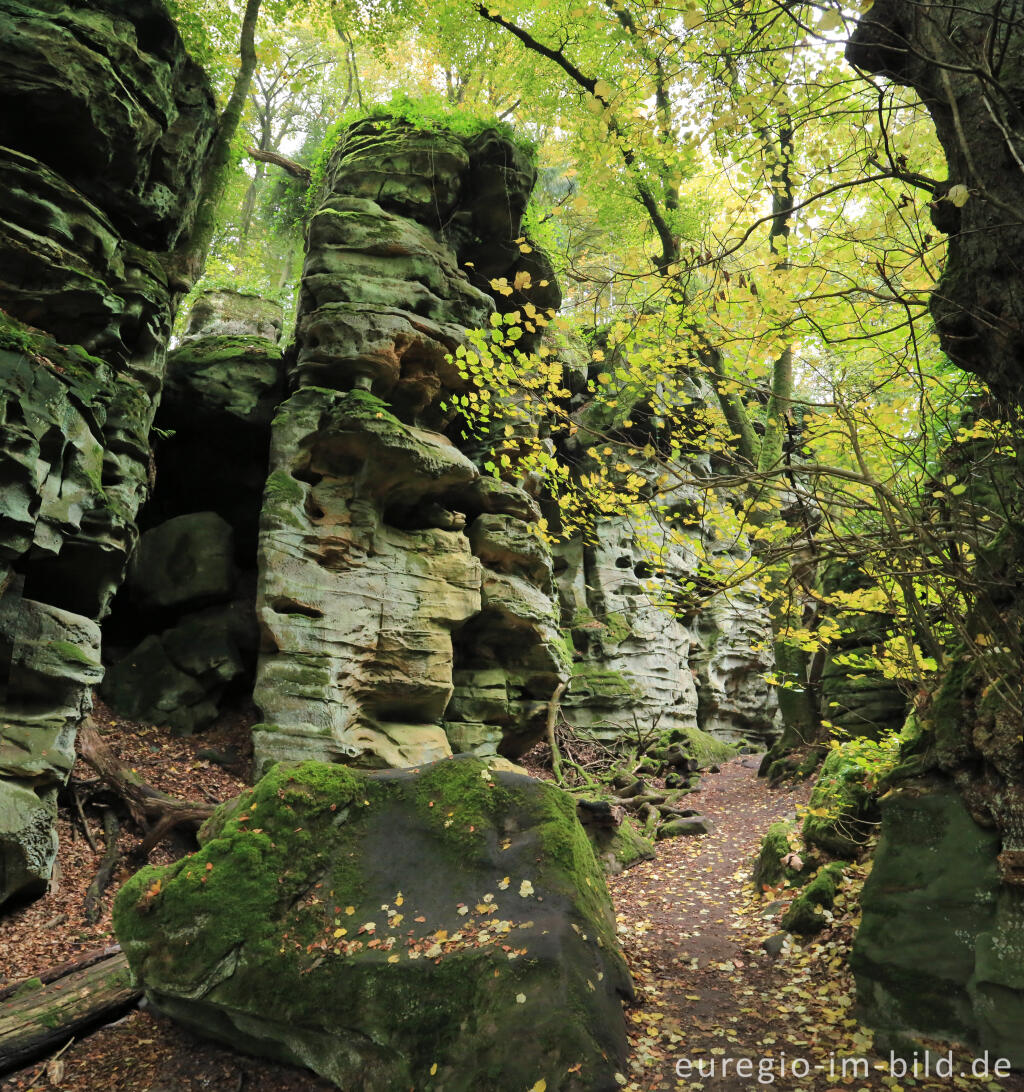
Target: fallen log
(59,970)
(39,1017)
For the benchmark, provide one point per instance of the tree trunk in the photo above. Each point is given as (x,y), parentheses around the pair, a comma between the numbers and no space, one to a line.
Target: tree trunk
(186,264)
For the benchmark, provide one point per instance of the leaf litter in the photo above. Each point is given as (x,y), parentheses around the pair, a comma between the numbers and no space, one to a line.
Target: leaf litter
(692,925)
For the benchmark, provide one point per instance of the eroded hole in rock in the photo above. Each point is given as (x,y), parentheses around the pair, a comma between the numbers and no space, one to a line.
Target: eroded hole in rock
(425,514)
(312,509)
(281,605)
(181,640)
(311,477)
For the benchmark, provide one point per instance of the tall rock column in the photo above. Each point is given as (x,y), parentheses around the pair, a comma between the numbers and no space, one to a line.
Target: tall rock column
(388,565)
(104,125)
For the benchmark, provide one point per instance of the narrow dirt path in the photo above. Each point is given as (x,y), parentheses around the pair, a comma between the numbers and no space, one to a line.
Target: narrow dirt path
(717,1011)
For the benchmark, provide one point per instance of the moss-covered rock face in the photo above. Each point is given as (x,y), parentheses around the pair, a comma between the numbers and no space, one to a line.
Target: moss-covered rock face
(856,699)
(972,733)
(104,93)
(445,928)
(66,528)
(841,807)
(104,126)
(935,953)
(234,380)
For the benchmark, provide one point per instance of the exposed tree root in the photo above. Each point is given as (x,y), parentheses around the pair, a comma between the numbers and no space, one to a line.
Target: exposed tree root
(154,811)
(111,855)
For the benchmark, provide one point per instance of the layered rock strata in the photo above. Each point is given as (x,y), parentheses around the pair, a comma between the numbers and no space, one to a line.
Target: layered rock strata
(405,602)
(657,647)
(104,126)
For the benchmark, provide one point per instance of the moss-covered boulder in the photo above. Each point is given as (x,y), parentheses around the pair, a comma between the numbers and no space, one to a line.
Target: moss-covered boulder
(782,857)
(232,381)
(618,844)
(841,803)
(806,912)
(445,928)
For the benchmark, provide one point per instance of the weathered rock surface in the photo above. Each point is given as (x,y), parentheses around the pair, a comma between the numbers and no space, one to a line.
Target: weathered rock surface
(185,561)
(358,612)
(658,646)
(104,122)
(224,313)
(28,838)
(938,948)
(222,381)
(178,676)
(391,930)
(977,304)
(106,96)
(72,473)
(51,660)
(66,269)
(383,303)
(641,666)
(405,602)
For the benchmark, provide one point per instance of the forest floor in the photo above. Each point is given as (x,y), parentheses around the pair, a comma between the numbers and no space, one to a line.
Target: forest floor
(711,1000)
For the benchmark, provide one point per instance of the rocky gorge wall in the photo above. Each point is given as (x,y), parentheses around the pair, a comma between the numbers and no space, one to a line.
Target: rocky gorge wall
(941,947)
(105,122)
(316,534)
(406,606)
(658,645)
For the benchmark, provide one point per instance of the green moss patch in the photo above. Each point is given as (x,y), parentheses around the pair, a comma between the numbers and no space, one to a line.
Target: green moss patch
(805,914)
(842,803)
(373,926)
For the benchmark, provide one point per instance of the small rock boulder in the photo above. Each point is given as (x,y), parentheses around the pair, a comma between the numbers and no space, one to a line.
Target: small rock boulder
(446,927)
(676,828)
(187,561)
(28,839)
